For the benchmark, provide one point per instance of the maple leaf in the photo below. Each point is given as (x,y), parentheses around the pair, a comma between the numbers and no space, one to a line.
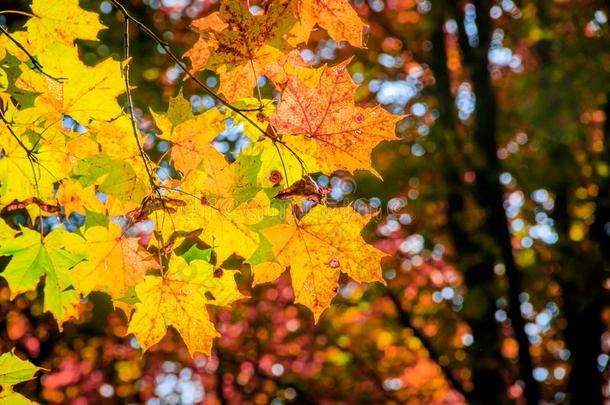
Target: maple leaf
(76,198)
(337,17)
(115,262)
(222,205)
(85,93)
(192,136)
(52,257)
(115,178)
(317,248)
(178,298)
(239,45)
(13,371)
(339,134)
(60,21)
(52,21)
(28,165)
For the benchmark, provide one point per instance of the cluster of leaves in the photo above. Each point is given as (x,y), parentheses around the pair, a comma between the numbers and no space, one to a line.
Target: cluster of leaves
(157,237)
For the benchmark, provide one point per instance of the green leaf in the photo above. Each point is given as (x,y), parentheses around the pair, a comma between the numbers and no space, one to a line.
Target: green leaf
(263,253)
(93,218)
(179,109)
(130,298)
(247,168)
(13,371)
(33,258)
(194,253)
(114,177)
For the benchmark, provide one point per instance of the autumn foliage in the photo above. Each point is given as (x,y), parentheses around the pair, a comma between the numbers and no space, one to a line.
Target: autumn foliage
(204,208)
(304,201)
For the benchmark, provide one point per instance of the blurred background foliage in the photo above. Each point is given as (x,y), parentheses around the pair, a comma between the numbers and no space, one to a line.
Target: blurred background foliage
(495,209)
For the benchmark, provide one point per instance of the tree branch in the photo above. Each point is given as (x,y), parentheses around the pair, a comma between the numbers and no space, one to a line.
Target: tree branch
(132,117)
(35,64)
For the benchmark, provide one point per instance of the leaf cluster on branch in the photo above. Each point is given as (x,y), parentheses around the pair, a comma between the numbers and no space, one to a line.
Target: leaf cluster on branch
(199,207)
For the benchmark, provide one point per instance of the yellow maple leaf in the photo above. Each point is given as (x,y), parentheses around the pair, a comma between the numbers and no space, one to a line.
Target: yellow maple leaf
(339,134)
(337,17)
(52,21)
(278,166)
(86,93)
(115,262)
(178,298)
(22,177)
(60,21)
(213,206)
(76,198)
(192,140)
(239,46)
(317,248)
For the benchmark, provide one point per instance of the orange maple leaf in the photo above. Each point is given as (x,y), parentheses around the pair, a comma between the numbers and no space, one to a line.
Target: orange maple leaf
(317,248)
(337,17)
(342,134)
(239,46)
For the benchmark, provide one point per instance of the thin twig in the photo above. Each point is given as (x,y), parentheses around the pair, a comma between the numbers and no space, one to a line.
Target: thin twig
(132,117)
(35,64)
(28,151)
(32,159)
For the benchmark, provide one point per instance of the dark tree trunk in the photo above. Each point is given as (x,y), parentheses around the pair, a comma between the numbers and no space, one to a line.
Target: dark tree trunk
(476,263)
(489,193)
(581,281)
(582,309)
(583,291)
(583,264)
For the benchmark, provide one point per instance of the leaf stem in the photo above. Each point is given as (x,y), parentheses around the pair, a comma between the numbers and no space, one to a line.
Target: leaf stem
(17,12)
